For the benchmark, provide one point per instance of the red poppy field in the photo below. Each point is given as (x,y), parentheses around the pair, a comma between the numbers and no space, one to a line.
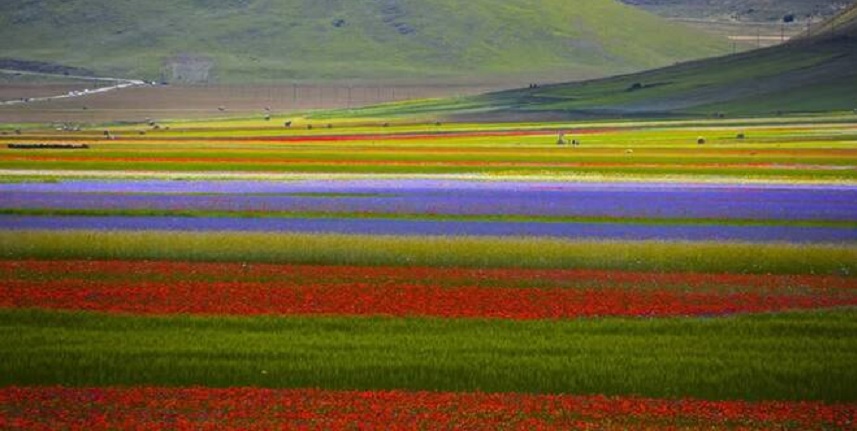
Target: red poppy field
(235,289)
(144,408)
(248,274)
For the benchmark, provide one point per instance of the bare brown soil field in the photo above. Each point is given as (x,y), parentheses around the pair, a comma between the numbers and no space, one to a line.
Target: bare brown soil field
(187,102)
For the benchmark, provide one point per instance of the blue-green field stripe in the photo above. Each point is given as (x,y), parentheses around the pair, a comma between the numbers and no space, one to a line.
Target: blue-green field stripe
(667,221)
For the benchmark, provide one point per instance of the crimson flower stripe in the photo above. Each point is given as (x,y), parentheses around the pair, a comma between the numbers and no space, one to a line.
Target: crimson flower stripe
(141,408)
(389,274)
(366,298)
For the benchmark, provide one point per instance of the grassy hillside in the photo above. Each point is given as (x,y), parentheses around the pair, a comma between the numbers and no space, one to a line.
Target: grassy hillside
(742,10)
(807,75)
(323,40)
(843,24)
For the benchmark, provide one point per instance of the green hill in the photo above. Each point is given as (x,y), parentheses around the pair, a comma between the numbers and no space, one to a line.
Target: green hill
(743,10)
(238,41)
(844,23)
(810,74)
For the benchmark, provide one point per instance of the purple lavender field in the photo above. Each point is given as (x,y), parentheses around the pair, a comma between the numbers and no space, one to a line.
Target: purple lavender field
(653,211)
(616,200)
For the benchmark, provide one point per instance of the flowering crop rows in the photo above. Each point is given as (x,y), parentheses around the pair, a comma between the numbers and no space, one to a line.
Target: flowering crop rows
(144,408)
(689,286)
(708,202)
(364,299)
(449,277)
(384,291)
(342,200)
(645,151)
(599,231)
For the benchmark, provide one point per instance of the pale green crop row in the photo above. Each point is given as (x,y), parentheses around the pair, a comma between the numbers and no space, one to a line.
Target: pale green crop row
(328,249)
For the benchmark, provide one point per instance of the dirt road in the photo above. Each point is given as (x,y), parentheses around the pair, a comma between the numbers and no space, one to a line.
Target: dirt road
(102,85)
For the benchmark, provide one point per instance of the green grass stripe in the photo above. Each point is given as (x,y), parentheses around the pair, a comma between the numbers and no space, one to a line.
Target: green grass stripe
(334,249)
(800,356)
(88,212)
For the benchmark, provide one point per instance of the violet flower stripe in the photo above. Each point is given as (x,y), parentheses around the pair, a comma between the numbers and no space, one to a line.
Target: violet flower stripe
(778,202)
